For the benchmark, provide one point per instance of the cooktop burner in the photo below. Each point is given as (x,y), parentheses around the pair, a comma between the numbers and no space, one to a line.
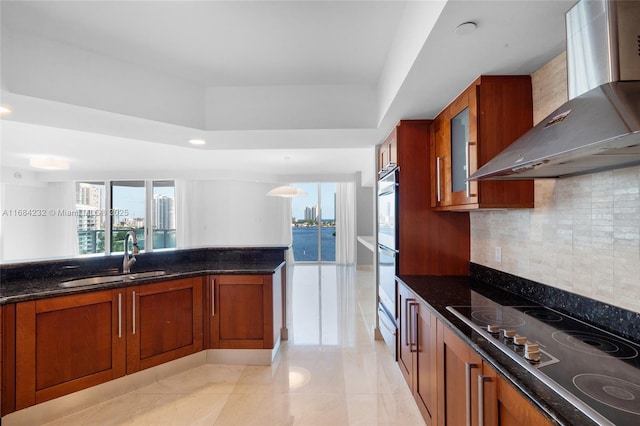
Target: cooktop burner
(617,393)
(596,344)
(596,371)
(499,318)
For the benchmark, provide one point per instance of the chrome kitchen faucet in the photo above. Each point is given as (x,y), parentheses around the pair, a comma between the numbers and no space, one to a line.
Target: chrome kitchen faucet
(129,260)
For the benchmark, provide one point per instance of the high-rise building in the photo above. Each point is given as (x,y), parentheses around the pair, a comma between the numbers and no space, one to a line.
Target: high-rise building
(164,213)
(89,210)
(311,213)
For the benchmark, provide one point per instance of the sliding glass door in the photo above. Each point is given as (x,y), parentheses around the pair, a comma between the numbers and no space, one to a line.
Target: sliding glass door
(314,223)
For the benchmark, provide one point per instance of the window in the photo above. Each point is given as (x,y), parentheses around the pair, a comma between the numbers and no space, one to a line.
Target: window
(90,208)
(314,223)
(129,212)
(146,207)
(164,214)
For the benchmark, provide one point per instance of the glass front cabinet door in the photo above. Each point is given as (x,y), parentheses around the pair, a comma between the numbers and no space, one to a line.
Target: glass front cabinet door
(482,121)
(455,131)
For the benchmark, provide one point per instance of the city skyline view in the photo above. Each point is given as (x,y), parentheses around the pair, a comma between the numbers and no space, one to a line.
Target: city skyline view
(327,192)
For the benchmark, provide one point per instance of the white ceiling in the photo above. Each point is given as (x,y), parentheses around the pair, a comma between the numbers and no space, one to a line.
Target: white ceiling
(118,87)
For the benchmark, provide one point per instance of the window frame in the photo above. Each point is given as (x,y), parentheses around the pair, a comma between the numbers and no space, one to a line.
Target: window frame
(149,220)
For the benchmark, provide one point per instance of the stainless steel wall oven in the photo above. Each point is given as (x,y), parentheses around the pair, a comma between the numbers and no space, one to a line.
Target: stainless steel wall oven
(388,256)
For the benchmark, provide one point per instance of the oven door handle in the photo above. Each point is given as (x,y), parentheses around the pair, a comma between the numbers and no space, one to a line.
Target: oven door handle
(387,250)
(382,315)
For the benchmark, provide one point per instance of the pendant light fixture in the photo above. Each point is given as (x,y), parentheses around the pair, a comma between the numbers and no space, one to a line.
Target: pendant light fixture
(286,191)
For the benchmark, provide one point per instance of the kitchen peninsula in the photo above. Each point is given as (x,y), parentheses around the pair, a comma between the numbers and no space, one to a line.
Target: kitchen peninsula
(214,304)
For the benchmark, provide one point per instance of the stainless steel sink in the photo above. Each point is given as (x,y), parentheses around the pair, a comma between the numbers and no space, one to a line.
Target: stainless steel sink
(104,279)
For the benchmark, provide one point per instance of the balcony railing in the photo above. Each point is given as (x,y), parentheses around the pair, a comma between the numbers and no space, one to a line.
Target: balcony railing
(93,240)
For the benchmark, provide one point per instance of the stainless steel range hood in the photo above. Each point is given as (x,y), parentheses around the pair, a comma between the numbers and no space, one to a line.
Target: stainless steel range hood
(599,127)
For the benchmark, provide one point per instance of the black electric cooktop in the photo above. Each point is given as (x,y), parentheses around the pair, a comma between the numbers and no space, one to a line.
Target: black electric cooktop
(595,370)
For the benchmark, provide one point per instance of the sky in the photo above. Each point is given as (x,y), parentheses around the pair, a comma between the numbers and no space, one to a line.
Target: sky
(132,199)
(328,191)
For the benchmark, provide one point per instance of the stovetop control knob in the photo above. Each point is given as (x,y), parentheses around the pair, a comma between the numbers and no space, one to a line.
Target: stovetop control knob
(520,340)
(531,347)
(493,329)
(532,356)
(532,351)
(509,334)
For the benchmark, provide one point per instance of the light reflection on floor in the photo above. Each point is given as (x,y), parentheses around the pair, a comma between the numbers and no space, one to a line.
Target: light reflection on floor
(330,372)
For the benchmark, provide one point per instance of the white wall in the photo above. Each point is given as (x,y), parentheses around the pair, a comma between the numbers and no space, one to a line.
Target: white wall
(23,237)
(34,224)
(234,213)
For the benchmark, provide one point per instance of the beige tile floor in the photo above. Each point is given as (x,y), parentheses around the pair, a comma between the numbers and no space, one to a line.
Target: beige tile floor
(330,372)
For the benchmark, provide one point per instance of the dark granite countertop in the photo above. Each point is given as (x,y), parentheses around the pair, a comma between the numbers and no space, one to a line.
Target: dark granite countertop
(39,280)
(441,291)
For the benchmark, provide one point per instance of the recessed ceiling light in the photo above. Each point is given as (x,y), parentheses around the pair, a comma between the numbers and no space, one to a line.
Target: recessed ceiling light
(197,142)
(466,28)
(4,110)
(49,163)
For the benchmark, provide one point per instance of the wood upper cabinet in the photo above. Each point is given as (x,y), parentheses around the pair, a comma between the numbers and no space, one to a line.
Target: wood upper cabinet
(486,118)
(68,343)
(388,154)
(417,352)
(431,242)
(164,322)
(244,311)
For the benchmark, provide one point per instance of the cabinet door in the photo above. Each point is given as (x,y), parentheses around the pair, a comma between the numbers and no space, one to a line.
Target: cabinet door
(245,309)
(459,368)
(441,176)
(68,343)
(388,154)
(426,384)
(513,409)
(406,334)
(463,140)
(165,322)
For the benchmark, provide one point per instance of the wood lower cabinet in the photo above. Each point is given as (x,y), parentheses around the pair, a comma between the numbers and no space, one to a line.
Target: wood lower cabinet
(510,407)
(68,343)
(164,322)
(473,393)
(459,368)
(245,311)
(417,352)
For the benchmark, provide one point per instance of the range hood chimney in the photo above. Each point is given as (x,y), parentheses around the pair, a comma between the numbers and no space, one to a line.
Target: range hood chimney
(599,127)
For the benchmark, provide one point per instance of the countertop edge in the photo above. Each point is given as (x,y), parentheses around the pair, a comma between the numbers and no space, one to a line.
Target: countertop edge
(173,275)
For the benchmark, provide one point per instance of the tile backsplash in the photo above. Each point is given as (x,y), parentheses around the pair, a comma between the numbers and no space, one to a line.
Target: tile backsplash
(583,236)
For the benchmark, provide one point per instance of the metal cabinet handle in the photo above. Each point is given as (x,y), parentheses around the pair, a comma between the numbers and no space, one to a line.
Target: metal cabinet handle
(213,296)
(119,315)
(407,316)
(438,183)
(468,366)
(133,303)
(481,380)
(466,168)
(414,328)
